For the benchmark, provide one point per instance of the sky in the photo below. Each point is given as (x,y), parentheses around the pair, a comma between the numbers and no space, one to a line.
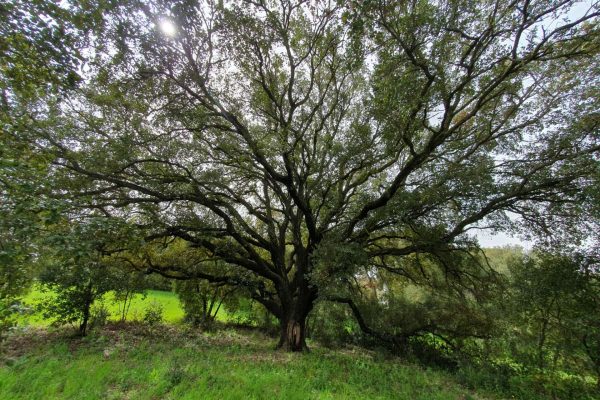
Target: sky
(501,239)
(487,239)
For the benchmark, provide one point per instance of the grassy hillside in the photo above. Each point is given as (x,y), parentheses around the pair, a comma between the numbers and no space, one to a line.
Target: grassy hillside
(124,362)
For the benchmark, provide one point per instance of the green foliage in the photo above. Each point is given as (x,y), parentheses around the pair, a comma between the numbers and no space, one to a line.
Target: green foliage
(244,311)
(537,346)
(23,217)
(72,305)
(39,51)
(333,325)
(79,270)
(447,294)
(557,314)
(201,301)
(99,314)
(38,60)
(318,143)
(7,315)
(153,314)
(511,382)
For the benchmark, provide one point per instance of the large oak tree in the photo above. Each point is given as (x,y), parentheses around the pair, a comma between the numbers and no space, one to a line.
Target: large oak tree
(300,140)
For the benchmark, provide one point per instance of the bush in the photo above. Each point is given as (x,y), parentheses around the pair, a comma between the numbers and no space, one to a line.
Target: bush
(200,301)
(248,312)
(514,382)
(333,325)
(153,313)
(7,317)
(432,351)
(99,315)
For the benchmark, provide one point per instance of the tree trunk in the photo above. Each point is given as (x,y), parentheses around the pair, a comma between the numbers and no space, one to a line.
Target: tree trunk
(296,302)
(293,324)
(84,321)
(293,335)
(125,306)
(89,300)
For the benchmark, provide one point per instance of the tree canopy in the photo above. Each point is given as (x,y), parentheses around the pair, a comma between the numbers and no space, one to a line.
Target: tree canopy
(304,143)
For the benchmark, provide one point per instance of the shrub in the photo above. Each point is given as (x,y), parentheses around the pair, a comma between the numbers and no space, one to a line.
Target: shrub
(153,313)
(333,325)
(7,317)
(99,315)
(432,351)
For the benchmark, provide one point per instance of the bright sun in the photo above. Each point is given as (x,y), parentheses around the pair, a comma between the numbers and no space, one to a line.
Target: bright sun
(167,27)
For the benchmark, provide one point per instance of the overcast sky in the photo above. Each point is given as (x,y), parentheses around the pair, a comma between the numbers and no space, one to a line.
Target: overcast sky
(501,239)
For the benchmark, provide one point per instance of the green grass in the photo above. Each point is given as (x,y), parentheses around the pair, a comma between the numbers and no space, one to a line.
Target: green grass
(175,363)
(172,310)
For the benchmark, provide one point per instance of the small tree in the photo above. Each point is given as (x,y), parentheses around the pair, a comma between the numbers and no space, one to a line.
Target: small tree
(78,268)
(76,285)
(556,299)
(201,300)
(38,60)
(125,289)
(193,270)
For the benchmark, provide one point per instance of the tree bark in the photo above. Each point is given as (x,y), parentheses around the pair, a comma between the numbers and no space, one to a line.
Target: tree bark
(293,335)
(85,320)
(86,310)
(293,322)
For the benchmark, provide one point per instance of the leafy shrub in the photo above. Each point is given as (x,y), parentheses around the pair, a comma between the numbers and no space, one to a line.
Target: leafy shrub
(201,301)
(515,382)
(7,317)
(99,315)
(432,351)
(153,313)
(249,312)
(332,325)
(76,268)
